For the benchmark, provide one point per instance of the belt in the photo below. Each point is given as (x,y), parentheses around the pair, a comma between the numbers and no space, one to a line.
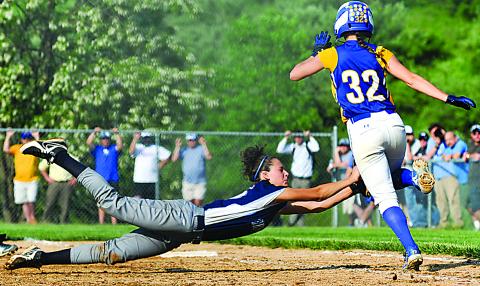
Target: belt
(367,115)
(198,225)
(302,178)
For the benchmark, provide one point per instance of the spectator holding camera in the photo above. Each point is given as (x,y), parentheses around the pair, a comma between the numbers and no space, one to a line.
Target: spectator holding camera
(301,149)
(472,156)
(423,142)
(106,159)
(194,156)
(149,159)
(340,167)
(409,193)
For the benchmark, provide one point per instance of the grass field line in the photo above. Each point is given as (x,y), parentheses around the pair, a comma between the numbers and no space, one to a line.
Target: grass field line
(196,253)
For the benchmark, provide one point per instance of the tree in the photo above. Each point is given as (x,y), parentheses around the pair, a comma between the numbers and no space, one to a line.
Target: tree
(73,64)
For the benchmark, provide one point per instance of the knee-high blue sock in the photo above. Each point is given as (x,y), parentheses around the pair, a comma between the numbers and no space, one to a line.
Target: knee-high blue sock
(396,220)
(402,178)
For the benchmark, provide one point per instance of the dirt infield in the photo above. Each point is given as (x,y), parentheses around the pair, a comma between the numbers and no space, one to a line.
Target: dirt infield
(214,264)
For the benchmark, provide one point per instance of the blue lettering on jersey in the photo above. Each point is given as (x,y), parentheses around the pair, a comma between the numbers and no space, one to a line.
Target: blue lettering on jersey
(360,82)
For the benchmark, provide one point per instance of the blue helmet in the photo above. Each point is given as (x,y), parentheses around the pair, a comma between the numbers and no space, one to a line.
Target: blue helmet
(353,16)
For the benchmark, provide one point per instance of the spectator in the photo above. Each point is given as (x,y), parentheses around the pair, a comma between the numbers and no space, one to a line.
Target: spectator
(363,208)
(302,150)
(340,167)
(432,141)
(421,207)
(149,159)
(25,182)
(423,140)
(106,160)
(60,188)
(447,188)
(194,156)
(472,156)
(410,193)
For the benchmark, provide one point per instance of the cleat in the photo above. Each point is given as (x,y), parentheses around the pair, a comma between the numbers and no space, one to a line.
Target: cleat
(422,177)
(45,149)
(413,260)
(28,259)
(7,249)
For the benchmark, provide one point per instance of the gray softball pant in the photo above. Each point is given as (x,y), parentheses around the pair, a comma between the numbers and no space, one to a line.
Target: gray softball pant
(164,225)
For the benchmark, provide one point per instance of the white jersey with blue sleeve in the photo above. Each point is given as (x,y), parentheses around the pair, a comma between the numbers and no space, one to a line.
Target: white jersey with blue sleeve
(246,213)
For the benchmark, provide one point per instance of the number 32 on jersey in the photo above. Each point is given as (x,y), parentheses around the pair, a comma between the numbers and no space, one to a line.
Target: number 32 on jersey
(353,79)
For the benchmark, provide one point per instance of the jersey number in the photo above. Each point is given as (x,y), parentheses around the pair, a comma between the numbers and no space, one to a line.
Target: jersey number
(351,77)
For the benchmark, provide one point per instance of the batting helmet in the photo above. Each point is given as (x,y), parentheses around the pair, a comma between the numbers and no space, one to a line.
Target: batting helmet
(353,16)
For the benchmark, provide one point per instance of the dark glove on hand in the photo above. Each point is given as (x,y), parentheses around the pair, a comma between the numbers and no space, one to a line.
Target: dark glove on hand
(322,42)
(461,101)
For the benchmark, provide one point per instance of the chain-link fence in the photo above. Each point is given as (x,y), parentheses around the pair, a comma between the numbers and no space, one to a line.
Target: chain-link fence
(224,171)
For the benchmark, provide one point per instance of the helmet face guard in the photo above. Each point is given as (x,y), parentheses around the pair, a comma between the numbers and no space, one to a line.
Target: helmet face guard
(353,16)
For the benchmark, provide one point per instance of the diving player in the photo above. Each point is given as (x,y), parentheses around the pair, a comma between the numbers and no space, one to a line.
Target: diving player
(165,225)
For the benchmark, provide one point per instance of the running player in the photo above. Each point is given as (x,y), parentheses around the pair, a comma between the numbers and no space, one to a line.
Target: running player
(377,135)
(165,225)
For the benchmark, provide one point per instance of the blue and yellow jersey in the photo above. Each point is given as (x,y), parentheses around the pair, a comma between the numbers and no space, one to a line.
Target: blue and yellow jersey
(358,78)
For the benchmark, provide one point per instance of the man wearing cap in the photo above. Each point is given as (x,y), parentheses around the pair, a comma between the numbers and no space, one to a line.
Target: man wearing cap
(149,159)
(106,159)
(302,150)
(423,140)
(416,211)
(472,156)
(194,156)
(25,182)
(422,199)
(340,167)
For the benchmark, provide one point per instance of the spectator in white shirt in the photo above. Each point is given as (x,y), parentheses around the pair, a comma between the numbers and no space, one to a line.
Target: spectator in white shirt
(302,150)
(149,159)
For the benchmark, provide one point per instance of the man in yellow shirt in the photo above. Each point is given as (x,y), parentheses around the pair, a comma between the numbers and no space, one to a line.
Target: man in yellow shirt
(25,182)
(60,187)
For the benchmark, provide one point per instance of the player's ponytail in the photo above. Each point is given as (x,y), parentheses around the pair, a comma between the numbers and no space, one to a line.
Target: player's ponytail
(361,43)
(254,162)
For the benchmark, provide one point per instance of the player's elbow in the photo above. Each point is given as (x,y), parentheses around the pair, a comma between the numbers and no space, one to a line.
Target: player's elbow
(320,193)
(295,75)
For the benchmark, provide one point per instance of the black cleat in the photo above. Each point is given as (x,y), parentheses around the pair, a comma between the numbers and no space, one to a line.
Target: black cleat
(45,149)
(28,259)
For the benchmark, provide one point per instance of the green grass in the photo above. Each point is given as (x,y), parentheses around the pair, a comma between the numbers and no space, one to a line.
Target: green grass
(431,241)
(70,232)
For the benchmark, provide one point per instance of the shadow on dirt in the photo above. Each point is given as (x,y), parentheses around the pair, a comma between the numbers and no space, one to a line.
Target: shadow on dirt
(443,266)
(330,267)
(186,270)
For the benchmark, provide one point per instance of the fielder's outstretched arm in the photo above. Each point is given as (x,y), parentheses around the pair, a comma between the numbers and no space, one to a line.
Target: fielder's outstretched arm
(320,192)
(317,207)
